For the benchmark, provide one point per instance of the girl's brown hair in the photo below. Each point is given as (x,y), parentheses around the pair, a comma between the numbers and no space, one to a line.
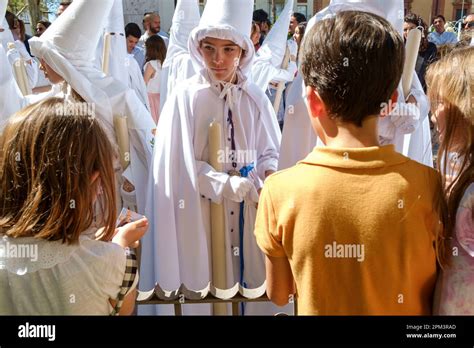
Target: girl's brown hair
(450,81)
(155,49)
(46,167)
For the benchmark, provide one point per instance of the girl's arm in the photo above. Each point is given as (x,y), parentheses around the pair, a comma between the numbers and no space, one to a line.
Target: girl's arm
(149,73)
(128,236)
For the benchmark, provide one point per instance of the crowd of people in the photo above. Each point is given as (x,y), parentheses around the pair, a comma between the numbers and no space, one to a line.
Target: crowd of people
(304,145)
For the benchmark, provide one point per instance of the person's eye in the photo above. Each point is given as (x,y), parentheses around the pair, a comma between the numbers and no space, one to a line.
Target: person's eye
(229,49)
(209,48)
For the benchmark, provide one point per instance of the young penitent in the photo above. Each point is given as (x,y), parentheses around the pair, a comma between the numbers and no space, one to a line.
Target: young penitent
(351,229)
(185,183)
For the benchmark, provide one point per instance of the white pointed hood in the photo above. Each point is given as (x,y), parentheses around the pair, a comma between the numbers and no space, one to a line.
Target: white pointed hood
(75,34)
(391,10)
(274,46)
(3,8)
(118,45)
(227,20)
(186,17)
(68,46)
(11,99)
(6,35)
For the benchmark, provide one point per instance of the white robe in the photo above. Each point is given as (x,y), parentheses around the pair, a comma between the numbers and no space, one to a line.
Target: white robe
(411,131)
(178,66)
(136,81)
(31,69)
(263,72)
(124,102)
(11,99)
(177,248)
(298,138)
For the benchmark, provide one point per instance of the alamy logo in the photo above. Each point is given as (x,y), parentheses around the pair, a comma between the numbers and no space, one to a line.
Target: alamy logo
(239,156)
(19,251)
(37,331)
(75,109)
(345,251)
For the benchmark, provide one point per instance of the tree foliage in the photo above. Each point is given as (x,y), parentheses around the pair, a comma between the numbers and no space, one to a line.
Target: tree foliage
(36,9)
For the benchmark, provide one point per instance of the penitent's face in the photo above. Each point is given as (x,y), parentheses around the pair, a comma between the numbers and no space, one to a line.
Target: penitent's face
(50,74)
(222,57)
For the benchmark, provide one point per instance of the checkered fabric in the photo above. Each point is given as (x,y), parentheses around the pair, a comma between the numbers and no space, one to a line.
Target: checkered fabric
(131,272)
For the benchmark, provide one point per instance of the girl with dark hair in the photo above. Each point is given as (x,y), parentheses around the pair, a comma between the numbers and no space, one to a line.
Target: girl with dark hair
(155,56)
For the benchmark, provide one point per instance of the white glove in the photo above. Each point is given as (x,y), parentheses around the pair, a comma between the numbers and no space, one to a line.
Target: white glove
(292,47)
(387,130)
(13,55)
(236,188)
(253,195)
(21,48)
(405,117)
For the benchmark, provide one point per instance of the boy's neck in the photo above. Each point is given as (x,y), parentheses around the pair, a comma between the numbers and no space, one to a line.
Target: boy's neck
(349,135)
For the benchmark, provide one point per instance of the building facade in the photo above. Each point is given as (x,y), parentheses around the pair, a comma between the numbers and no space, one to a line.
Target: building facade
(452,10)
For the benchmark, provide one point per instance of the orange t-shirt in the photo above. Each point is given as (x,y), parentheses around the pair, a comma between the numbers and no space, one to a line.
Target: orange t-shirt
(358,227)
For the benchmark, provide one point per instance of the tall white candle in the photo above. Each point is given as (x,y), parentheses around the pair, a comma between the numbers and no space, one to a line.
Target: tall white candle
(217,219)
(106,54)
(281,85)
(412,47)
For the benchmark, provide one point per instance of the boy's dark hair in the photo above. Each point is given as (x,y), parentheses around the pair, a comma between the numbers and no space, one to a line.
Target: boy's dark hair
(45,23)
(299,17)
(260,16)
(132,29)
(441,17)
(11,19)
(354,61)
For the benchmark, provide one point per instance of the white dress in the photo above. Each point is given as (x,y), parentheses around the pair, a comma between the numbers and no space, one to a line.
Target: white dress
(59,279)
(154,83)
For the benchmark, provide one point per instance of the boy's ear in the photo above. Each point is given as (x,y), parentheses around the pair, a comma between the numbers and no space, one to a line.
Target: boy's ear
(394,97)
(316,105)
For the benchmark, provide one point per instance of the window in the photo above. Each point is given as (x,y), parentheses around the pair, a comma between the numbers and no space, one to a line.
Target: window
(302,9)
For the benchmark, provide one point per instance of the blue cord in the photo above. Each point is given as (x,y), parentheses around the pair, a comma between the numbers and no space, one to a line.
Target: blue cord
(244,172)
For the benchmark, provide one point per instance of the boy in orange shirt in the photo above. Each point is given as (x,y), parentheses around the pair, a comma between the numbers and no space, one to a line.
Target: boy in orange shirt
(352,228)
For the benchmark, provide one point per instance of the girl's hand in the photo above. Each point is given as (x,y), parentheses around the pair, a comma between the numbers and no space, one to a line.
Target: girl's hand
(129,234)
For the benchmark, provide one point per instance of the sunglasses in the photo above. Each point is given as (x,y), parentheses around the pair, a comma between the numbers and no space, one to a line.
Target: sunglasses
(470,24)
